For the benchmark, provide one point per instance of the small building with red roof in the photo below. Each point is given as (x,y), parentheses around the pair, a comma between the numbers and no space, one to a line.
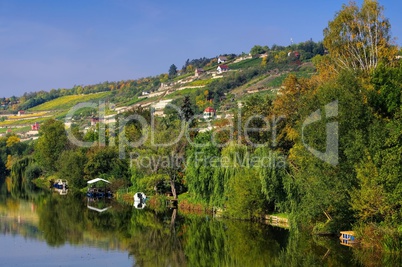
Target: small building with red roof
(209,113)
(222,68)
(198,72)
(35,127)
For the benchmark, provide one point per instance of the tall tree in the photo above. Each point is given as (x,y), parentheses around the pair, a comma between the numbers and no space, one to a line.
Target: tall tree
(359,38)
(51,143)
(187,111)
(172,71)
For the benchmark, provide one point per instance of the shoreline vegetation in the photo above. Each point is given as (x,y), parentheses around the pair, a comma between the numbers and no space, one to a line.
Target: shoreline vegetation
(185,206)
(310,134)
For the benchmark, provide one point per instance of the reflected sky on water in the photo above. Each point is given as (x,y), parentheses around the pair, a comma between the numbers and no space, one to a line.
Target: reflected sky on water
(19,251)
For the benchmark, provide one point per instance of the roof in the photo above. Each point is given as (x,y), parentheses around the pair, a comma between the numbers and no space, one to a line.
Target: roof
(97,180)
(209,109)
(223,67)
(223,58)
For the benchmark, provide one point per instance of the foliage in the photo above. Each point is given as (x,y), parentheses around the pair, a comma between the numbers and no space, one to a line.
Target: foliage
(71,164)
(258,49)
(172,71)
(187,111)
(105,162)
(201,166)
(52,142)
(244,196)
(359,38)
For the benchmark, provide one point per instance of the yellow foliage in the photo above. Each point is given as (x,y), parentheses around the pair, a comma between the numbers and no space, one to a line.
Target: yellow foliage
(9,183)
(12,140)
(359,37)
(10,161)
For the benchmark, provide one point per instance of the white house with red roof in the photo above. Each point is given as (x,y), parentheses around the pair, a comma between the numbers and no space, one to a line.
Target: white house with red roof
(222,68)
(209,113)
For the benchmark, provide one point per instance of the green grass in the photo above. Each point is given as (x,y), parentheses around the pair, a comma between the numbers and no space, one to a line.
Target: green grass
(130,102)
(182,92)
(66,102)
(253,62)
(256,80)
(178,78)
(277,81)
(27,116)
(22,122)
(264,93)
(16,130)
(199,82)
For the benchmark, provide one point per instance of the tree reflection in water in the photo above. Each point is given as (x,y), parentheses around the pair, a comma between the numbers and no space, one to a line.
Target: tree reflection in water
(169,238)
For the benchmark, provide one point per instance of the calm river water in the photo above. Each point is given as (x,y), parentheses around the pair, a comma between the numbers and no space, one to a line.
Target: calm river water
(53,230)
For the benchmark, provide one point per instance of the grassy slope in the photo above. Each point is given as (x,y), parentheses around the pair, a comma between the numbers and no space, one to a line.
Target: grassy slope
(253,62)
(66,102)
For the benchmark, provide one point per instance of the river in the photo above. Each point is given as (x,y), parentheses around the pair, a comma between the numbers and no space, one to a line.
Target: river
(47,229)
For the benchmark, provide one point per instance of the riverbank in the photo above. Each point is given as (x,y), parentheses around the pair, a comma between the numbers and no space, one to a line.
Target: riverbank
(187,205)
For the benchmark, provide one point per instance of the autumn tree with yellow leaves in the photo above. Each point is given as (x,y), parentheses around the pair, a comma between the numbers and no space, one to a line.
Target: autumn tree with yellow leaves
(359,38)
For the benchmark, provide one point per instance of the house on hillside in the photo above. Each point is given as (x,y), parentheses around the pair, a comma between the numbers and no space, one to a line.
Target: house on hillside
(21,112)
(209,113)
(294,54)
(35,127)
(222,59)
(199,72)
(222,68)
(94,121)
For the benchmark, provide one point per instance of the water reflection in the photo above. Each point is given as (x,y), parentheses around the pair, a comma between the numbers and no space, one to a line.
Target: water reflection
(167,238)
(99,204)
(61,186)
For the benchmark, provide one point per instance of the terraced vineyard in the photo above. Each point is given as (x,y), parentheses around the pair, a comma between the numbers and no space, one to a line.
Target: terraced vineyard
(66,102)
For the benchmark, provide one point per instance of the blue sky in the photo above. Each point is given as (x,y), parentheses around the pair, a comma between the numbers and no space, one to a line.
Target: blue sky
(47,44)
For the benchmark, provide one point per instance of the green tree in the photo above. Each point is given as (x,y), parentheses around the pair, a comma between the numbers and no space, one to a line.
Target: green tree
(368,200)
(105,162)
(202,162)
(245,199)
(172,71)
(257,50)
(71,165)
(386,98)
(51,143)
(187,111)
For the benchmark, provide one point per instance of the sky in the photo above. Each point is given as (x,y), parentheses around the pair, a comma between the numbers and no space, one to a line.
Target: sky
(46,44)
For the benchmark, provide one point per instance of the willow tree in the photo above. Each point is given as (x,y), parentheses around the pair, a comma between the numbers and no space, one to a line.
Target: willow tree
(359,38)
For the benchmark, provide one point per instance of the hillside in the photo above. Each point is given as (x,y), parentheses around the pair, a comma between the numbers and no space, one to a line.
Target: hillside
(200,79)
